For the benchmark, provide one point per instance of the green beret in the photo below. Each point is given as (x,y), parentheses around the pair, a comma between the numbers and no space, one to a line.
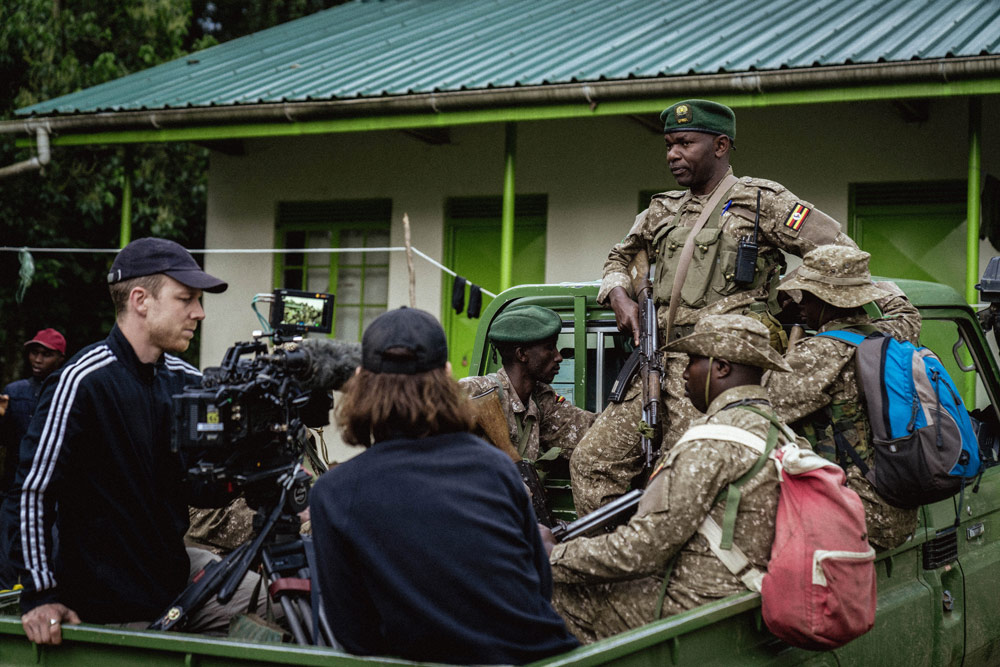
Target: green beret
(525,324)
(699,116)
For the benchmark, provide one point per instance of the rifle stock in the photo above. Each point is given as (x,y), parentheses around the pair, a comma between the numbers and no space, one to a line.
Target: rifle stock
(491,421)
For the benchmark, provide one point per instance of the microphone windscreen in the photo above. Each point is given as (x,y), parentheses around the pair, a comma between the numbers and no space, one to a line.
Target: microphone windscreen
(331,362)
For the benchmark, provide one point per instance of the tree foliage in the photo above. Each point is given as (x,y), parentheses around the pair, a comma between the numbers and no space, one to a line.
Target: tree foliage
(50,48)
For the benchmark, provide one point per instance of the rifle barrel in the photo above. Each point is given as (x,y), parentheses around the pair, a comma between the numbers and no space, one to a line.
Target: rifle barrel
(622,507)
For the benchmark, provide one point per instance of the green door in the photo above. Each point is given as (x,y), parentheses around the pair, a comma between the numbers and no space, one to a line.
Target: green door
(472,249)
(917,231)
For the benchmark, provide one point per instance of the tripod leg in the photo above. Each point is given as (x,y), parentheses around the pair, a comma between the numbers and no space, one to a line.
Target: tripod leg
(299,632)
(326,631)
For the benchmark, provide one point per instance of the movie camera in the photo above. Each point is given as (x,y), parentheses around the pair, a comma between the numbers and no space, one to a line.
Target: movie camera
(246,423)
(243,431)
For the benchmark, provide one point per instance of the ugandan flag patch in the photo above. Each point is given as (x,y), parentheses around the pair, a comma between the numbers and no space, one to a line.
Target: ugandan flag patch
(560,399)
(797,217)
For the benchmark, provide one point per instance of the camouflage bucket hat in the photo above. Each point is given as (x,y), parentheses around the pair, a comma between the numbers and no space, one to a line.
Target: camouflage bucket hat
(837,274)
(736,338)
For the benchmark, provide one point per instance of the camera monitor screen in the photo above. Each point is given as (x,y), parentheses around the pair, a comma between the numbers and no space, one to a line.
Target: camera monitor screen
(301,312)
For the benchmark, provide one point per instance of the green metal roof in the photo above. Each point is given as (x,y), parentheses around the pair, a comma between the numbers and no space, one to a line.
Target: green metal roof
(377,49)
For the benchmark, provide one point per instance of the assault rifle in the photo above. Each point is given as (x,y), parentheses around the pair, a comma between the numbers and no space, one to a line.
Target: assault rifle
(650,368)
(492,422)
(616,512)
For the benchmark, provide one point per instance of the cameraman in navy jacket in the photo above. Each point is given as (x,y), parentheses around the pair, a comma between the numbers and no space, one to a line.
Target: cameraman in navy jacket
(426,543)
(97,462)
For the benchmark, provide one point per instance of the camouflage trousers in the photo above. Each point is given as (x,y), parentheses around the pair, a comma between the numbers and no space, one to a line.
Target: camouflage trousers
(888,526)
(213,617)
(596,611)
(609,455)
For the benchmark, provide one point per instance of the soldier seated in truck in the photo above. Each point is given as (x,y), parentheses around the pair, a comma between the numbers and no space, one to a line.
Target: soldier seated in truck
(820,398)
(614,582)
(542,424)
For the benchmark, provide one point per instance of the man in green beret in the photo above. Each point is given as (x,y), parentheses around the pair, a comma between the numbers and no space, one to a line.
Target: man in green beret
(541,424)
(614,582)
(700,136)
(821,398)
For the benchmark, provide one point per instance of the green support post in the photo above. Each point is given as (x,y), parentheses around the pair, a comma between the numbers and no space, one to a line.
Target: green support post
(972,223)
(580,350)
(973,200)
(507,215)
(125,234)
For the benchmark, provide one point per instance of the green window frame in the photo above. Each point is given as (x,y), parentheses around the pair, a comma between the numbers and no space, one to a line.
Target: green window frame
(359,280)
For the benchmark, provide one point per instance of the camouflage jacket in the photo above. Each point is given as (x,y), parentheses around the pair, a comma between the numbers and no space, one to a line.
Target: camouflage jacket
(682,491)
(786,223)
(823,369)
(553,421)
(824,375)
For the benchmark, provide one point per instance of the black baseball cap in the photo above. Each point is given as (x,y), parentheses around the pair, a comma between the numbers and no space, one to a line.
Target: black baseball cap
(415,336)
(144,257)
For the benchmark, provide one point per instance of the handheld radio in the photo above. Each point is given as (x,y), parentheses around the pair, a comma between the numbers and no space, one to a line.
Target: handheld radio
(746,252)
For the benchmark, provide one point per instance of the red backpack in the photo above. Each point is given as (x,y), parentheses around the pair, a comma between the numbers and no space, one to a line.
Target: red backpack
(819,589)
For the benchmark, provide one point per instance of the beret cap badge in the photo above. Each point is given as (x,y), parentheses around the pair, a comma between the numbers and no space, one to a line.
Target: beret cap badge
(683,113)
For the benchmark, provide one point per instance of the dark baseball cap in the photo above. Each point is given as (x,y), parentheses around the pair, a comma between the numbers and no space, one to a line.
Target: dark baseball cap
(415,337)
(145,257)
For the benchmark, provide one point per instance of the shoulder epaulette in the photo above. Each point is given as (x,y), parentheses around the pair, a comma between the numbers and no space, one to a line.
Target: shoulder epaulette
(761,183)
(670,194)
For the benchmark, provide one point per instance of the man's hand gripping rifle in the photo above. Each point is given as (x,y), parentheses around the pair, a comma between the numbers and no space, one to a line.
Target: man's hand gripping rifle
(639,319)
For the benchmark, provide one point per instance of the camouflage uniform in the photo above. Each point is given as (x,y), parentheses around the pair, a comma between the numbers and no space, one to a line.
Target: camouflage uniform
(220,530)
(552,420)
(821,393)
(611,583)
(608,458)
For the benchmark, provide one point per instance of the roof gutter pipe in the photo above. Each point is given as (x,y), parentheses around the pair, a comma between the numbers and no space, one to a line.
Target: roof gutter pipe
(41,159)
(592,93)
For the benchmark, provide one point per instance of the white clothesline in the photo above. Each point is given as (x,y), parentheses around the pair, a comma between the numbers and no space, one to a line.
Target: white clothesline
(254,251)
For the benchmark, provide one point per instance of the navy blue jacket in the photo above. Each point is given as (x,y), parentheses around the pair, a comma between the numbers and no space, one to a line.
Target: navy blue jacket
(428,549)
(99,447)
(14,424)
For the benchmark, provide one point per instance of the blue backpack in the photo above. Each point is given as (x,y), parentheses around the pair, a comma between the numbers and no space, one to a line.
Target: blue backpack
(924,442)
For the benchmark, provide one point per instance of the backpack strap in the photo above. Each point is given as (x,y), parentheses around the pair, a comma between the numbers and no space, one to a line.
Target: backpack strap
(720,538)
(733,558)
(852,334)
(733,492)
(687,251)
(845,450)
(724,432)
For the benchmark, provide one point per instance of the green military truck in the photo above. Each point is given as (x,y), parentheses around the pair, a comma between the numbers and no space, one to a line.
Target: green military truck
(936,594)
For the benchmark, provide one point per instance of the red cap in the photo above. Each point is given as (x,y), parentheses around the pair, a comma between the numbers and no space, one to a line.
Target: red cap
(51,339)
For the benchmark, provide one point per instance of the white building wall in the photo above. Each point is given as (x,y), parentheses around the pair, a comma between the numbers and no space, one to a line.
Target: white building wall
(591,169)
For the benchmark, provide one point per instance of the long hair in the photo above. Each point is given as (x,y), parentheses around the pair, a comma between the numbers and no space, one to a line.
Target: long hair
(384,406)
